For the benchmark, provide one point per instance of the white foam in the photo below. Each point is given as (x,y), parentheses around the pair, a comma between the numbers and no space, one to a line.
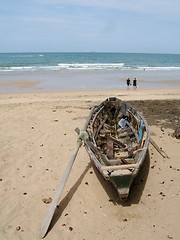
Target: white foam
(86,66)
(159,68)
(91,66)
(21,68)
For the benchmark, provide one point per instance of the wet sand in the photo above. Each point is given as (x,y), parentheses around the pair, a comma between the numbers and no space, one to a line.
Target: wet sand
(85,80)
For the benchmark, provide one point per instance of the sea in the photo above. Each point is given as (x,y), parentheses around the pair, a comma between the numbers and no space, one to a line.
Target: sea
(56,71)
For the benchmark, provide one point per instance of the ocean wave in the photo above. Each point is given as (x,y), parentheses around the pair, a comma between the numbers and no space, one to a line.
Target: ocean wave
(84,67)
(16,69)
(92,66)
(21,68)
(66,66)
(158,68)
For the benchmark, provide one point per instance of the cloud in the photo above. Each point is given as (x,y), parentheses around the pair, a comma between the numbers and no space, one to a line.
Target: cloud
(150,6)
(94,23)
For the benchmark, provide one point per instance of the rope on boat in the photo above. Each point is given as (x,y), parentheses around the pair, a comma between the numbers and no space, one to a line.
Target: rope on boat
(82,137)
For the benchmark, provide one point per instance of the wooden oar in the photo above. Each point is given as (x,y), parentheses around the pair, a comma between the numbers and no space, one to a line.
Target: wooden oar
(57,195)
(59,190)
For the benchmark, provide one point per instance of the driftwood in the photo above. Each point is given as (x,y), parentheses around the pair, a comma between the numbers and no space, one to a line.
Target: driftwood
(163,154)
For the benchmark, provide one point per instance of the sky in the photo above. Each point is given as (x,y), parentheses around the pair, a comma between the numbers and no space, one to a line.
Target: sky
(135,26)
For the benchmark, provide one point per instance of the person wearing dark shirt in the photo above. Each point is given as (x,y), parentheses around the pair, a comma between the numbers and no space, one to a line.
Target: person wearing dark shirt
(128,83)
(134,83)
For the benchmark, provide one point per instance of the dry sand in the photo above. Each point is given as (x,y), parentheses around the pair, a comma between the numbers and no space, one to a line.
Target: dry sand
(37,137)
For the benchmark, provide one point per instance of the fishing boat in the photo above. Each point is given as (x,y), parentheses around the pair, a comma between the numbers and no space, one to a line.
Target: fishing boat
(118,139)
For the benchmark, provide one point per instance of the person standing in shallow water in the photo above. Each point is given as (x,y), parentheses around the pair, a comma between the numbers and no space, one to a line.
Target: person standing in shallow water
(128,81)
(135,84)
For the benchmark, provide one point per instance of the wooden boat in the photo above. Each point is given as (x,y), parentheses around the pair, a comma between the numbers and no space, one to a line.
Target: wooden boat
(118,142)
(116,137)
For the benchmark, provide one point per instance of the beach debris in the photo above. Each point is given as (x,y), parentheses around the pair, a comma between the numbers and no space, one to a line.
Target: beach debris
(162,129)
(47,200)
(86,183)
(25,193)
(70,228)
(159,149)
(176,133)
(169,237)
(162,194)
(18,228)
(0,179)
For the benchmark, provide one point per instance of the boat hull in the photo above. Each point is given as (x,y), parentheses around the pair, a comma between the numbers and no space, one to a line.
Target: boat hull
(117,153)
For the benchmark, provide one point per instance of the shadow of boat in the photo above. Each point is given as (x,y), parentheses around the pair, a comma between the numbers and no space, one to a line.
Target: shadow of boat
(65,201)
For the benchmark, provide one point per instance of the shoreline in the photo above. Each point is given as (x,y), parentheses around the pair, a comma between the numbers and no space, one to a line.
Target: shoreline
(87,80)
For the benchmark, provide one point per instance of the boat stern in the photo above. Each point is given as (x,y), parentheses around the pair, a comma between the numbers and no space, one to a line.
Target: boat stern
(122,183)
(123,194)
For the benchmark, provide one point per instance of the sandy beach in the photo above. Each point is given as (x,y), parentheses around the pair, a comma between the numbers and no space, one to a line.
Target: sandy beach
(37,137)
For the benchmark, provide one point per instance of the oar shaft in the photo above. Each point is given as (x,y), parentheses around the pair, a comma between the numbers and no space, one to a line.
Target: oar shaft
(59,190)
(58,193)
